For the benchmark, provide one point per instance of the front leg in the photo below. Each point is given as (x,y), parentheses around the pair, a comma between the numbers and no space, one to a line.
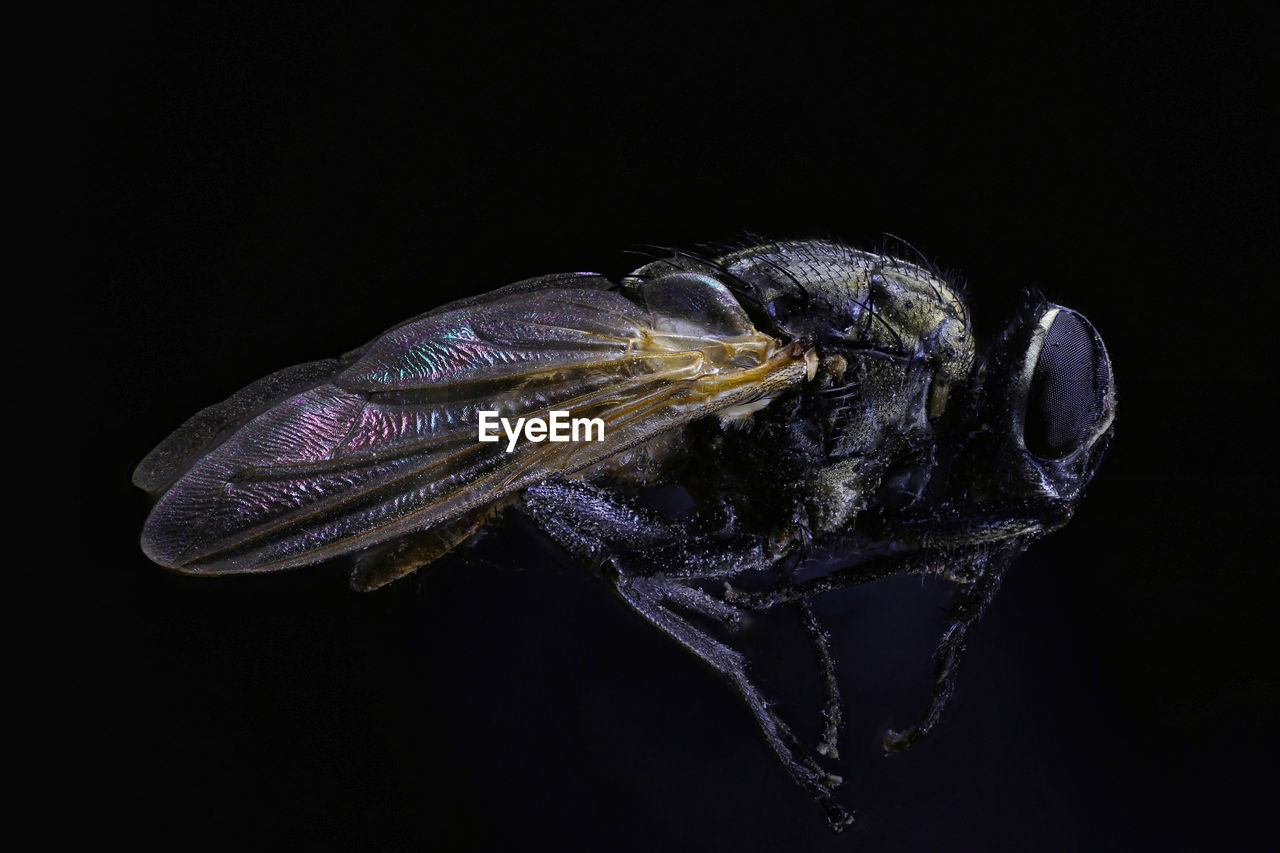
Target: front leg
(965,613)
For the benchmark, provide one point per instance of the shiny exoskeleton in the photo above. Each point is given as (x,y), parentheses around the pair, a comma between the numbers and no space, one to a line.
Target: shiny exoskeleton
(829,411)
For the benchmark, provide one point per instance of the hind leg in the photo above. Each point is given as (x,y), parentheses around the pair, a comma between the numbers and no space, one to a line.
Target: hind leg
(598,527)
(653,564)
(652,598)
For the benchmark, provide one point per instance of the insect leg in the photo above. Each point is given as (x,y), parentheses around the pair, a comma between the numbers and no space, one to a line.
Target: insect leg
(590,522)
(983,571)
(790,593)
(959,564)
(648,597)
(698,601)
(832,712)
(597,525)
(967,611)
(594,523)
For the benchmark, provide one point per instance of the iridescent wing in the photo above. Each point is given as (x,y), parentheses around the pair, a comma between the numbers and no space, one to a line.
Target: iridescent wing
(331,457)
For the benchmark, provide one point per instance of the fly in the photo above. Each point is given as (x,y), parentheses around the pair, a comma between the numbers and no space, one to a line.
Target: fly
(819,404)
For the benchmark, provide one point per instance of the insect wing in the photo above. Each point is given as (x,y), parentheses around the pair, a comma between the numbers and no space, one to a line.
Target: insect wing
(204,430)
(388,445)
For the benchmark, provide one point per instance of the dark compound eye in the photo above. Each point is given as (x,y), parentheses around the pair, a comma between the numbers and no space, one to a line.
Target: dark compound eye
(1068,389)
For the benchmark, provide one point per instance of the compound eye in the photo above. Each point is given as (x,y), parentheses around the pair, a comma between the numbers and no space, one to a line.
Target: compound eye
(1069,389)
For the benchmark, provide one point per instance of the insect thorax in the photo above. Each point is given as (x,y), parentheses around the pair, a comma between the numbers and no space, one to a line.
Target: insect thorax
(892,337)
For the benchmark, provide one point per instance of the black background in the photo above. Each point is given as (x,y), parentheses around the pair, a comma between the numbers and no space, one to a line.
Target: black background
(262,188)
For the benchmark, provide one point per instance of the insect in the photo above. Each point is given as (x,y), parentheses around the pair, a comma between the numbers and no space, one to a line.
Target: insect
(821,406)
